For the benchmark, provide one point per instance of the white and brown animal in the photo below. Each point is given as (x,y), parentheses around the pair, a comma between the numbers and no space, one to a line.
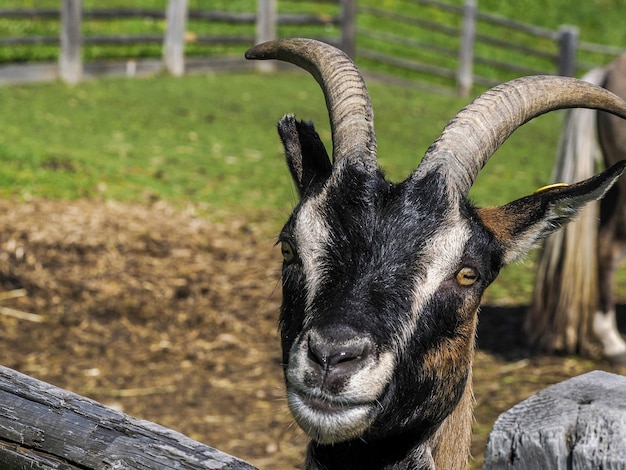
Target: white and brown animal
(382,281)
(574,303)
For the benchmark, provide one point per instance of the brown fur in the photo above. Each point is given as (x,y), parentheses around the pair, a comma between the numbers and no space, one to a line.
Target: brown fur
(563,305)
(492,218)
(452,441)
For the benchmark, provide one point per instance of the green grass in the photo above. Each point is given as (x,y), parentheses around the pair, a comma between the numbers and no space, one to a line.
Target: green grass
(191,139)
(212,138)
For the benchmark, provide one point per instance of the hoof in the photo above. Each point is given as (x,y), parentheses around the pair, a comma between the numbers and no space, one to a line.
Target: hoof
(617,359)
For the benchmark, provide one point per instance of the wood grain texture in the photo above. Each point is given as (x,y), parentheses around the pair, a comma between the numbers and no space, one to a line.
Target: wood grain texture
(579,423)
(43,426)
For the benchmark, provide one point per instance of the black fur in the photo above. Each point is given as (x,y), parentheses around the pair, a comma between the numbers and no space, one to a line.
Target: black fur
(378,248)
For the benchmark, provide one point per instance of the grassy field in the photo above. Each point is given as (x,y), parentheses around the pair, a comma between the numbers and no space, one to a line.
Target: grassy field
(211,139)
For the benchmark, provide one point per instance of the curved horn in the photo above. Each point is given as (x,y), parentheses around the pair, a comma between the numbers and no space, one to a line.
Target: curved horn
(348,102)
(475,133)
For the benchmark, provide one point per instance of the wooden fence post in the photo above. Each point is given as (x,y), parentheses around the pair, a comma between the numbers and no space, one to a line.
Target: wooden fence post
(266,20)
(578,423)
(465,72)
(174,40)
(568,43)
(348,27)
(70,56)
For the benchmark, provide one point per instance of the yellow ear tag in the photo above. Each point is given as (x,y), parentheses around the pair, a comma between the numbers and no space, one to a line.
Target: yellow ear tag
(550,186)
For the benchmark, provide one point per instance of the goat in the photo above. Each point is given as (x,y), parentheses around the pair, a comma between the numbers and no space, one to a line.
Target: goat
(573,306)
(382,281)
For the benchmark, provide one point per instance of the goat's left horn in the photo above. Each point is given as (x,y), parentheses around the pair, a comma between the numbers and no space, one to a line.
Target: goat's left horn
(348,102)
(475,133)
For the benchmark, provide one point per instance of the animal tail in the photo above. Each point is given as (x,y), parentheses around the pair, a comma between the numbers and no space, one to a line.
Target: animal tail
(566,287)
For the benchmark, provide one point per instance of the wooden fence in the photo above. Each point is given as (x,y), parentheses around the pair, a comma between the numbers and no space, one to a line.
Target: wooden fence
(70,67)
(482,54)
(489,48)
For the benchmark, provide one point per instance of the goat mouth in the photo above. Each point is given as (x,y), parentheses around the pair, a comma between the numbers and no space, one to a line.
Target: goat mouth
(322,405)
(329,421)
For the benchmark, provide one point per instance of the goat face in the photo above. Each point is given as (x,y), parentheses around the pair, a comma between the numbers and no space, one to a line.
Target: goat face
(382,281)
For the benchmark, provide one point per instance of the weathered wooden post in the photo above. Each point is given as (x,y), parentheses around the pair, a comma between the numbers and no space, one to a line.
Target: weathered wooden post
(266,19)
(43,426)
(348,27)
(579,423)
(70,57)
(568,43)
(465,72)
(174,40)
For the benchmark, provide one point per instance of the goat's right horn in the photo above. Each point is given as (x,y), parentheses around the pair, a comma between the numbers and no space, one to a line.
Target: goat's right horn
(475,133)
(349,106)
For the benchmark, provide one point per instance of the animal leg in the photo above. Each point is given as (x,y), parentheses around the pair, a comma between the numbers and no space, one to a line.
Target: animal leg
(610,251)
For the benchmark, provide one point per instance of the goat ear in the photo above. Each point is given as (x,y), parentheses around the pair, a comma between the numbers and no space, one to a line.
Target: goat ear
(306,155)
(519,225)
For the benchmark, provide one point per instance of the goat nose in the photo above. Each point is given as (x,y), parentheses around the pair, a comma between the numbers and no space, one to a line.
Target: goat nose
(332,354)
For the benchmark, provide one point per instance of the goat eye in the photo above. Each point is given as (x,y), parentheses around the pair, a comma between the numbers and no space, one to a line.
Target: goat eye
(288,251)
(467,276)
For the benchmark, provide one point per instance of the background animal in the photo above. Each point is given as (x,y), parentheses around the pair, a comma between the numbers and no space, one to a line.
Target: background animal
(573,308)
(382,281)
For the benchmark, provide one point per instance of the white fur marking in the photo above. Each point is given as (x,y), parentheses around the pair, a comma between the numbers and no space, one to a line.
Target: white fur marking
(448,244)
(347,422)
(312,237)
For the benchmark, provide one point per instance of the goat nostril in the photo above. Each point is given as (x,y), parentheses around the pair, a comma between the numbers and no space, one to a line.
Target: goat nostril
(329,354)
(317,356)
(345,356)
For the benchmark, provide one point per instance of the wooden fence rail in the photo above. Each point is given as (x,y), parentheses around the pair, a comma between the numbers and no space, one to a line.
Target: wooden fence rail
(43,426)
(557,52)
(480,56)
(71,15)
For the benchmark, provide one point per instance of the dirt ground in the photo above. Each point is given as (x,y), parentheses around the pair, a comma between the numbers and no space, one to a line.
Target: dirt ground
(171,318)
